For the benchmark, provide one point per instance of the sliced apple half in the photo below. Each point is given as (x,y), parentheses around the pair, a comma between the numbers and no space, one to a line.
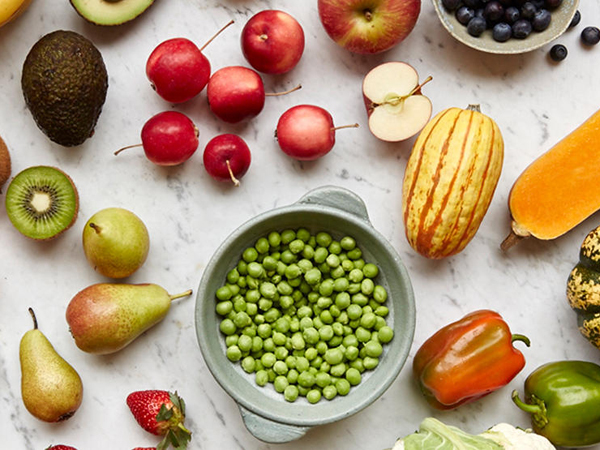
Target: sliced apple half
(396,107)
(110,12)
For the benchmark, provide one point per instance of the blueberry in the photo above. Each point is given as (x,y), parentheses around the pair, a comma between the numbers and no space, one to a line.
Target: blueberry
(493,11)
(451,5)
(590,35)
(558,52)
(539,4)
(553,4)
(476,26)
(511,14)
(528,10)
(464,14)
(521,28)
(575,20)
(541,20)
(473,3)
(502,32)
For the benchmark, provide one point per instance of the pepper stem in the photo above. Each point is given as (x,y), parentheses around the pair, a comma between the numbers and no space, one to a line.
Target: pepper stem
(522,338)
(537,409)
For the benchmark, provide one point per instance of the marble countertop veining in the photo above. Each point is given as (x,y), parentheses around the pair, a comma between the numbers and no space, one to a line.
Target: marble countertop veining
(534,101)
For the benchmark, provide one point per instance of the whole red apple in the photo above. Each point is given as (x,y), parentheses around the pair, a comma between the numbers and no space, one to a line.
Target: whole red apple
(306,132)
(227,158)
(235,93)
(368,26)
(272,42)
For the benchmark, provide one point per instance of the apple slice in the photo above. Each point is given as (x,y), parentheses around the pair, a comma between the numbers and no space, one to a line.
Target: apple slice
(396,107)
(111,12)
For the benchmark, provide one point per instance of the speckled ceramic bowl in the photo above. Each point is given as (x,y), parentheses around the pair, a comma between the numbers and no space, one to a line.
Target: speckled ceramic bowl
(561,18)
(266,414)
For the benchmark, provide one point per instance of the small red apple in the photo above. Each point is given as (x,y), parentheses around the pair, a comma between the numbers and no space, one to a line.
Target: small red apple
(272,42)
(169,138)
(368,26)
(306,132)
(178,70)
(227,158)
(237,93)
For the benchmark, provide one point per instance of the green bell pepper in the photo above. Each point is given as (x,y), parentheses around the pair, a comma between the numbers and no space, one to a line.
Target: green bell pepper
(563,399)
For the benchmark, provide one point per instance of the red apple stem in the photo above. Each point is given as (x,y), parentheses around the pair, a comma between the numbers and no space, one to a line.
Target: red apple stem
(289,91)
(181,295)
(236,182)
(418,88)
(341,127)
(125,148)
(216,34)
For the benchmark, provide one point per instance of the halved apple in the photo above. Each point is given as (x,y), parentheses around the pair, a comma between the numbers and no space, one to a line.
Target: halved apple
(110,12)
(396,107)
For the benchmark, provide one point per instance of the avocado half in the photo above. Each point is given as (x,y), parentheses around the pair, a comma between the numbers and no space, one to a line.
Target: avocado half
(110,12)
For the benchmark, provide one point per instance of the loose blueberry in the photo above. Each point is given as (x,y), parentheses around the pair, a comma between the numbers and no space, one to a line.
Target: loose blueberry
(590,35)
(511,14)
(464,14)
(541,20)
(521,29)
(575,20)
(502,32)
(476,26)
(558,52)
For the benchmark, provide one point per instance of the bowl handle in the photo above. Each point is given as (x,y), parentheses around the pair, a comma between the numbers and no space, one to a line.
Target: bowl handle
(337,197)
(270,431)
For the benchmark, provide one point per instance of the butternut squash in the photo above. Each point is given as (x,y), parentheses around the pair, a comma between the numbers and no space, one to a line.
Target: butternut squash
(558,190)
(450,179)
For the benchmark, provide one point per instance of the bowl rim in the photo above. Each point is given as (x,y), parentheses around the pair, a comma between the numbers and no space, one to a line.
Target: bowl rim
(323,412)
(557,28)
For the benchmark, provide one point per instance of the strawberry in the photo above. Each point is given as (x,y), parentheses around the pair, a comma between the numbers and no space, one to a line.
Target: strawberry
(161,413)
(60,447)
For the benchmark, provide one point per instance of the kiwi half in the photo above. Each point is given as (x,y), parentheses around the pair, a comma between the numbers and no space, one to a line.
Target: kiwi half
(42,202)
(4,164)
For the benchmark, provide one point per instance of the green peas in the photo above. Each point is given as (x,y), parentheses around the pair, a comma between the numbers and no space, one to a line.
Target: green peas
(264,330)
(224,308)
(322,379)
(244,343)
(313,396)
(379,294)
(338,370)
(368,320)
(296,246)
(370,270)
(274,239)
(261,377)
(363,335)
(334,356)
(311,353)
(268,359)
(257,344)
(224,293)
(234,353)
(354,311)
(311,335)
(303,234)
(280,367)
(281,353)
(269,263)
(348,243)
(370,363)
(227,327)
(341,284)
(373,349)
(306,379)
(353,376)
(335,248)
(290,393)
(342,386)
(351,353)
(313,276)
(255,270)
(323,239)
(298,341)
(292,376)
(326,332)
(287,236)
(306,322)
(250,255)
(248,364)
(287,257)
(329,392)
(385,334)
(320,255)
(262,245)
(292,271)
(367,286)
(233,276)
(333,261)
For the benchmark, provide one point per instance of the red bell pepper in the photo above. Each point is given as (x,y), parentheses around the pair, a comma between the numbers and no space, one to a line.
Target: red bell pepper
(467,360)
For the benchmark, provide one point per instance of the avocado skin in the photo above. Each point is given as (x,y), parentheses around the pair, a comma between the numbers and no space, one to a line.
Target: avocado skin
(64,82)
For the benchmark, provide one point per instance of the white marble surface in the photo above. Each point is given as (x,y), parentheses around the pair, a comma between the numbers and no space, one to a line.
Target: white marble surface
(534,101)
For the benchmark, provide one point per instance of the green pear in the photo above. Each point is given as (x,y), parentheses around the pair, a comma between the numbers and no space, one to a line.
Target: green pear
(51,389)
(105,317)
(115,242)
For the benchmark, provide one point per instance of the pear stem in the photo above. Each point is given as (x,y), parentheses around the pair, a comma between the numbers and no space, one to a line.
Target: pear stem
(341,127)
(236,182)
(96,228)
(215,35)
(125,148)
(35,324)
(181,295)
(289,91)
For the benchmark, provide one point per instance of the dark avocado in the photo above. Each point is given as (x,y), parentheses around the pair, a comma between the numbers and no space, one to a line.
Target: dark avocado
(64,83)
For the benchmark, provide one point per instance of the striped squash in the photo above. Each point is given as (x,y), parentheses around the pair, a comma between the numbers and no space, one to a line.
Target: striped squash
(450,179)
(583,288)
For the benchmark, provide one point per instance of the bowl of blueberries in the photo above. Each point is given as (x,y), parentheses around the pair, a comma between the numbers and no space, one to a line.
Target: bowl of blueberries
(506,26)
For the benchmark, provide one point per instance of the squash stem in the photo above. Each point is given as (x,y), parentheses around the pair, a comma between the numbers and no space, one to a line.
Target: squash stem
(510,240)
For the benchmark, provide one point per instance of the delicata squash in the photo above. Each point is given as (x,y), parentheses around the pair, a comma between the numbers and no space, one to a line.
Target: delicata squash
(450,178)
(558,190)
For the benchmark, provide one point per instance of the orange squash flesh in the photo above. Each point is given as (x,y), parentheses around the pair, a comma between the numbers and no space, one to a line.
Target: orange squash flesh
(560,189)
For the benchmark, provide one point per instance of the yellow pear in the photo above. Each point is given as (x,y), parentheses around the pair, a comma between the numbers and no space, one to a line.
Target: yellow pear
(51,389)
(105,317)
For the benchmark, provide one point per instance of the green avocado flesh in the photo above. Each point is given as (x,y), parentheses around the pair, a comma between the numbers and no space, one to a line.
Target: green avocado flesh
(110,12)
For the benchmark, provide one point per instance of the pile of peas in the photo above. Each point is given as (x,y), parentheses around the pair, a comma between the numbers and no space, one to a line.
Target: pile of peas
(304,312)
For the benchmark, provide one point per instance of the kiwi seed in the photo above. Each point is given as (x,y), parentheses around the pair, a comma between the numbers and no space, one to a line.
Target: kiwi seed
(4,164)
(42,202)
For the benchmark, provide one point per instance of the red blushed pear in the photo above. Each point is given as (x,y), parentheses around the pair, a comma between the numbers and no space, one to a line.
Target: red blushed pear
(227,158)
(178,70)
(307,132)
(272,42)
(237,93)
(368,26)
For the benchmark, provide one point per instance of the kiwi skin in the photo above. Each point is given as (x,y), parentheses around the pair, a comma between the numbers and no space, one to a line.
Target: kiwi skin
(12,191)
(5,166)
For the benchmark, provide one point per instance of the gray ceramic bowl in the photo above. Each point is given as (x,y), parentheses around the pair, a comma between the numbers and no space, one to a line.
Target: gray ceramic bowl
(561,18)
(265,412)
